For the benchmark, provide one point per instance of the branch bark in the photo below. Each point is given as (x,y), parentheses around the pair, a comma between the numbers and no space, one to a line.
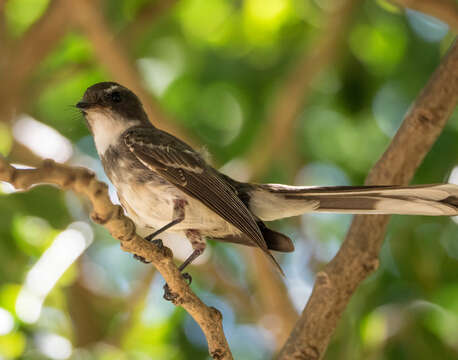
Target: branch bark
(291,97)
(358,255)
(83,182)
(444,10)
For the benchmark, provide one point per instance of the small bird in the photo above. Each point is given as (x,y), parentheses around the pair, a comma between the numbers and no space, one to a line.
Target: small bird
(166,186)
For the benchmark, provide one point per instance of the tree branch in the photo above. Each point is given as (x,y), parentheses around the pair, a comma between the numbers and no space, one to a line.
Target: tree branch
(5,41)
(88,326)
(24,57)
(297,85)
(444,10)
(272,294)
(291,97)
(358,255)
(110,53)
(83,182)
(147,14)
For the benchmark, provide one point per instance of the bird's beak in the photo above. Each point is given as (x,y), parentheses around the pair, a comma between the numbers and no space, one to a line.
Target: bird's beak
(84,106)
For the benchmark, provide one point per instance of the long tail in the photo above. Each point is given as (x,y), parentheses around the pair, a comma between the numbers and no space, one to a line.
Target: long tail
(274,201)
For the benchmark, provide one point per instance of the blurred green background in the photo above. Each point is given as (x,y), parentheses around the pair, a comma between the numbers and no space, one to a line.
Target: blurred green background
(220,72)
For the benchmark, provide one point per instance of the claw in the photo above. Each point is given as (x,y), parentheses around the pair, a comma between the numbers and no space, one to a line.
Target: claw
(142,259)
(168,295)
(187,277)
(157,242)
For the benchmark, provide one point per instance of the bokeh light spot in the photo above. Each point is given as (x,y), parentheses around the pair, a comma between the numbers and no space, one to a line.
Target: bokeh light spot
(220,114)
(65,249)
(42,139)
(54,346)
(389,106)
(20,14)
(6,322)
(374,329)
(381,46)
(429,28)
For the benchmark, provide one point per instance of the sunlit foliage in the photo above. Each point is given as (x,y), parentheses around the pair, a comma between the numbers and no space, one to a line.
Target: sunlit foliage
(215,68)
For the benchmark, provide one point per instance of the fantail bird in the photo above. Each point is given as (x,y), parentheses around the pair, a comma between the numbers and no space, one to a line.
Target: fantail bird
(165,185)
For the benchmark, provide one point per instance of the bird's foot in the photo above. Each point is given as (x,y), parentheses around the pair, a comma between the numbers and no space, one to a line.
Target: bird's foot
(141,258)
(156,242)
(187,277)
(171,296)
(168,294)
(150,238)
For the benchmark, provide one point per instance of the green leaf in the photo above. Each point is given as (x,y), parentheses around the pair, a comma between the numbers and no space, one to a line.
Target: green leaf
(20,14)
(12,345)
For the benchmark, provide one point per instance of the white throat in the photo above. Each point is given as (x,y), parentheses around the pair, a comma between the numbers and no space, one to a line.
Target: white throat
(107,129)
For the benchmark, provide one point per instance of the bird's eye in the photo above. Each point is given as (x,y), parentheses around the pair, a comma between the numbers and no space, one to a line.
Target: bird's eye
(116,96)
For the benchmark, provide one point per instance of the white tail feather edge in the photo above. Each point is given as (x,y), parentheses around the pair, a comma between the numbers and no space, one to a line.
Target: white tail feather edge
(274,201)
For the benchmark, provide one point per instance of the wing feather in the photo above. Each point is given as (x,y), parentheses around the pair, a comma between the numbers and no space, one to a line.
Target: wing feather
(184,168)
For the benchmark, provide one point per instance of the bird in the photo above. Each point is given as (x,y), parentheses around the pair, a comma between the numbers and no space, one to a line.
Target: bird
(164,185)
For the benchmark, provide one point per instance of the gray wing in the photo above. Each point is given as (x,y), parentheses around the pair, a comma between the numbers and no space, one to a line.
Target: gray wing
(183,167)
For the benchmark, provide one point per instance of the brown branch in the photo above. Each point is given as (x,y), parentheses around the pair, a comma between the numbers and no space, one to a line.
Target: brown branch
(5,41)
(83,182)
(280,125)
(297,85)
(445,10)
(27,54)
(110,53)
(358,255)
(272,295)
(148,14)
(88,326)
(226,285)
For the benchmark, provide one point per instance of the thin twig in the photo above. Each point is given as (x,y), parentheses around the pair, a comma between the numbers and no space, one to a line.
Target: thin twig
(83,182)
(445,10)
(88,324)
(5,40)
(291,98)
(147,14)
(25,56)
(358,255)
(225,284)
(110,53)
(273,296)
(297,85)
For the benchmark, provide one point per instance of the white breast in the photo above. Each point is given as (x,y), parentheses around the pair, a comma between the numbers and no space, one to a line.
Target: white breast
(107,128)
(152,206)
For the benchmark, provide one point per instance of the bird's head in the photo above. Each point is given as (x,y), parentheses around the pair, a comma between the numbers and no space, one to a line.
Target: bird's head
(111,100)
(109,110)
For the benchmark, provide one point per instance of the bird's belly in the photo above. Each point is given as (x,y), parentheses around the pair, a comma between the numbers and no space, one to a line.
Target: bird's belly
(151,206)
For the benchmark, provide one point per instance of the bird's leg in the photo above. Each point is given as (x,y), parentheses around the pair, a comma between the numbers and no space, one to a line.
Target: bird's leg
(178,216)
(198,244)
